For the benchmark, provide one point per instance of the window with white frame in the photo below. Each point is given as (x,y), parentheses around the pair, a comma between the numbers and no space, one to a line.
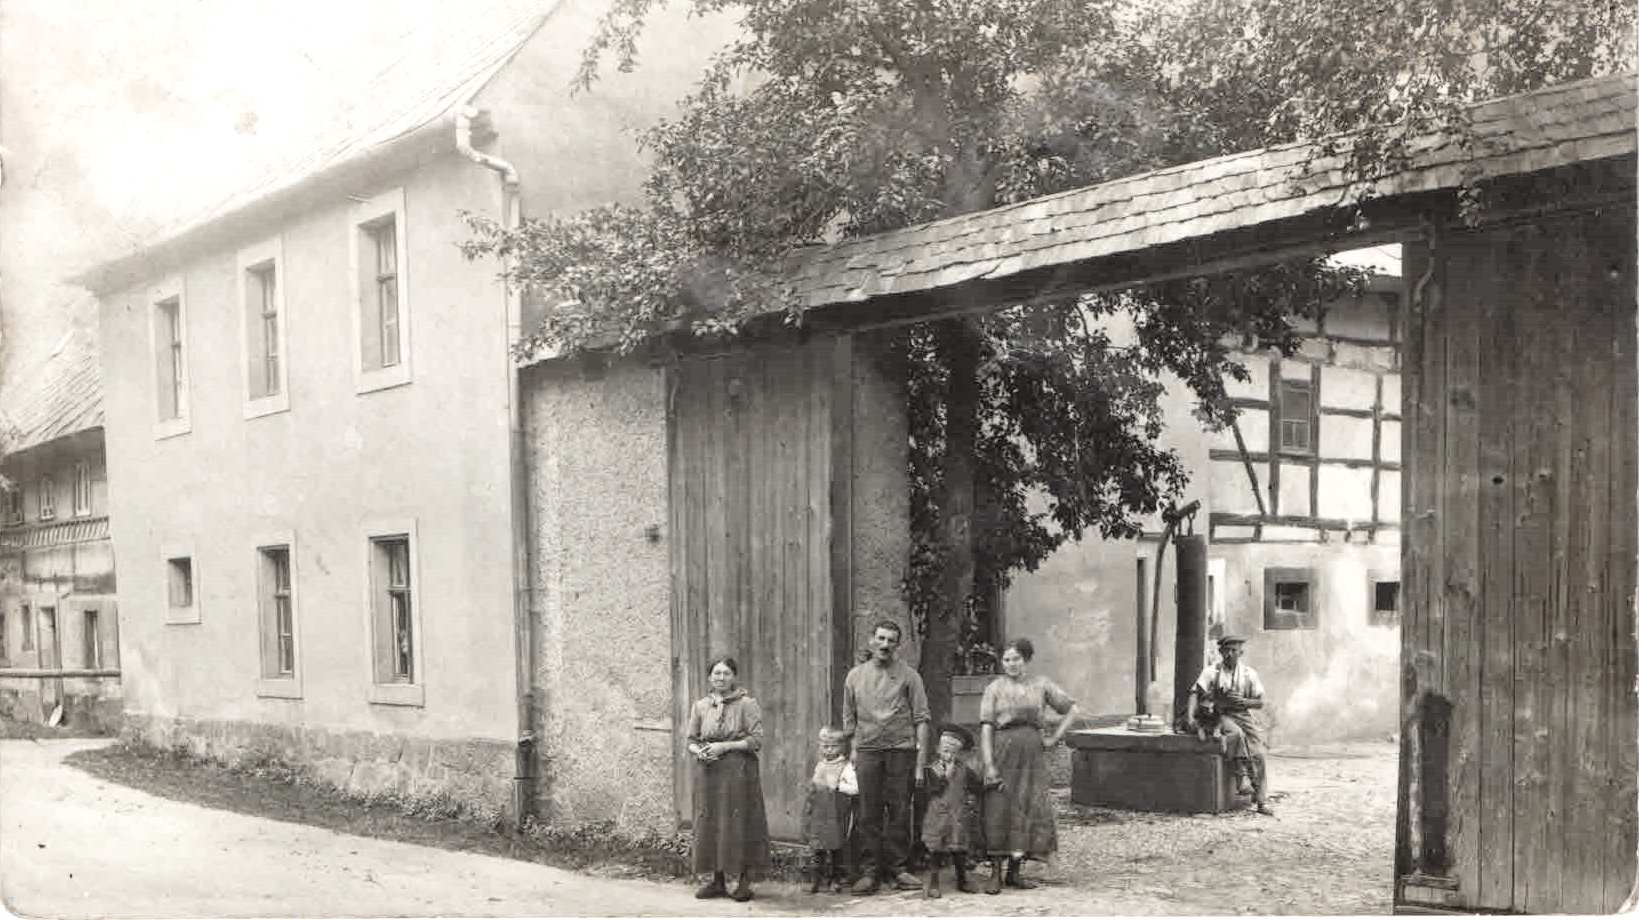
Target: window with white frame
(82,489)
(47,499)
(264,323)
(170,356)
(382,316)
(395,614)
(278,611)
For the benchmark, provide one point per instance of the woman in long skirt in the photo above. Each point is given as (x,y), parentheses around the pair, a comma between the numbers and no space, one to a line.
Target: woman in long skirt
(1018,815)
(730,827)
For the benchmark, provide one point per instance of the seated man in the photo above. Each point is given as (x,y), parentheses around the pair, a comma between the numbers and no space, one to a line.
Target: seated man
(1223,701)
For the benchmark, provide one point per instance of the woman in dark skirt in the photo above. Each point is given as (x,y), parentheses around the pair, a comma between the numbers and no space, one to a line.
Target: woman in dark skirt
(1018,816)
(730,828)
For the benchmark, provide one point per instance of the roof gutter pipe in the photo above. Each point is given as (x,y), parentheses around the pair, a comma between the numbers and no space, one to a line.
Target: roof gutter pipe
(524,774)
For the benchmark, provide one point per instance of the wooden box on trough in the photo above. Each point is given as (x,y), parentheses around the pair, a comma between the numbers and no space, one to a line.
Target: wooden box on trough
(1117,768)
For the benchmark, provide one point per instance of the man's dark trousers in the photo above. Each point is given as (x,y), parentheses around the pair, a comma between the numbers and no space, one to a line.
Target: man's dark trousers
(886,782)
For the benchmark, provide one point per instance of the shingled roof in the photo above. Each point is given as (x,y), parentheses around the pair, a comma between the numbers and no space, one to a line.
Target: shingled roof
(1557,126)
(435,70)
(61,395)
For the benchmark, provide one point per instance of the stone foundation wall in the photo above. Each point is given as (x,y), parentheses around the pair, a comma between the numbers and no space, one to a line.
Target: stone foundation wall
(476,772)
(88,711)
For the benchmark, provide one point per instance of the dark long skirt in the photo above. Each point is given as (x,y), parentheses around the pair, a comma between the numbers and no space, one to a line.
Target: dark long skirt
(1019,816)
(730,827)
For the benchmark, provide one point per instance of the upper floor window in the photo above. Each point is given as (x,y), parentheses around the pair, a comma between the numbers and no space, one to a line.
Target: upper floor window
(170,347)
(261,295)
(14,505)
(48,499)
(82,489)
(382,315)
(1297,399)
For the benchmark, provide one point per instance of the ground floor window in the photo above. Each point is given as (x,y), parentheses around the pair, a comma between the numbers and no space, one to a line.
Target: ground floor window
(1289,598)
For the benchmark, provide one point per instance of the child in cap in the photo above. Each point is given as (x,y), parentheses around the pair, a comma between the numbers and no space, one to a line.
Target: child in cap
(945,829)
(827,810)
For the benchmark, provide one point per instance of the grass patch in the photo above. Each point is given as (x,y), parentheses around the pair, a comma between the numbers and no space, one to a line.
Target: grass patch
(268,788)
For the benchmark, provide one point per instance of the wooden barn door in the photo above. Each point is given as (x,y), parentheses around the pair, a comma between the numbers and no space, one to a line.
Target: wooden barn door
(1518,758)
(759,477)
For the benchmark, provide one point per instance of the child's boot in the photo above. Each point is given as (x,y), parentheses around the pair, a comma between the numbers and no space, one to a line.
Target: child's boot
(817,871)
(995,886)
(962,883)
(930,888)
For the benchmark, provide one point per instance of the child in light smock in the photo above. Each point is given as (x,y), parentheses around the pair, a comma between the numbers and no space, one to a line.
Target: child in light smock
(827,811)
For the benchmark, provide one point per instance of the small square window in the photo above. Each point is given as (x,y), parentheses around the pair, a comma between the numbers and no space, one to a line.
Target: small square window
(1289,599)
(1385,598)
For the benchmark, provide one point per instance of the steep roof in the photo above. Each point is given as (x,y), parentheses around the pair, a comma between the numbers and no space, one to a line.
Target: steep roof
(59,395)
(434,71)
(1557,126)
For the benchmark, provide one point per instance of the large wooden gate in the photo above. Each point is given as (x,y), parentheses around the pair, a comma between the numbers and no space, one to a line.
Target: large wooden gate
(760,459)
(1519,757)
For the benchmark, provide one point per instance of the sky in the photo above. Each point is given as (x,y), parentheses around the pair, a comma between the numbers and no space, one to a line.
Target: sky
(122,117)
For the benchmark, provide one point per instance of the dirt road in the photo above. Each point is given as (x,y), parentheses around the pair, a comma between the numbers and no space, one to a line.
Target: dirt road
(74,846)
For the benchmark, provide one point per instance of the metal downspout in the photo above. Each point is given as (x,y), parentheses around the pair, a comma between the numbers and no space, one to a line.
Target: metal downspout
(523,782)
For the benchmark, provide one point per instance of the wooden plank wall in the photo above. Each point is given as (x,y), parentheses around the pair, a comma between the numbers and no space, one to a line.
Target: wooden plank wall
(1521,732)
(759,441)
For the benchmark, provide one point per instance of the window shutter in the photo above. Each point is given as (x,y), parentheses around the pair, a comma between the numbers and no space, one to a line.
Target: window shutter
(164,382)
(369,302)
(255,339)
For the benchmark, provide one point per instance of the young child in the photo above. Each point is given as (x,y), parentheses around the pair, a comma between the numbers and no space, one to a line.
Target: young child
(945,828)
(825,814)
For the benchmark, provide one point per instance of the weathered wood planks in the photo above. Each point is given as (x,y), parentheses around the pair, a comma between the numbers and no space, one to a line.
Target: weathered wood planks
(1522,523)
(758,439)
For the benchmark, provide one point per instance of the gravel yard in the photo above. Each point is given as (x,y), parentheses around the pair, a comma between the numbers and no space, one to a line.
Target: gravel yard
(1328,850)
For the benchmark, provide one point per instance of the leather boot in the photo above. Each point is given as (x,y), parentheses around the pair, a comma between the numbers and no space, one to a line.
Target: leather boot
(1014,879)
(995,886)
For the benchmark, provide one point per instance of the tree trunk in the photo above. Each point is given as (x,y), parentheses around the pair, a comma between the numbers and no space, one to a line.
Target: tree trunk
(958,342)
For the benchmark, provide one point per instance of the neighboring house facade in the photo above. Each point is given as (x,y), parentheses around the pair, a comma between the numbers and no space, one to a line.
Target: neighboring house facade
(314,428)
(1301,515)
(59,607)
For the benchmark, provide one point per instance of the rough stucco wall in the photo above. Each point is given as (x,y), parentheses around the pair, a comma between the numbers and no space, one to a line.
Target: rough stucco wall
(881,495)
(1339,680)
(434,450)
(601,593)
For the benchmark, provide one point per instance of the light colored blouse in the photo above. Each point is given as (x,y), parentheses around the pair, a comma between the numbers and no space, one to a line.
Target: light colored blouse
(732,717)
(1008,702)
(1241,679)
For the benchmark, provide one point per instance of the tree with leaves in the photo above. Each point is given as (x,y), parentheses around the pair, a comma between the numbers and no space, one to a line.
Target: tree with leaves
(1029,426)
